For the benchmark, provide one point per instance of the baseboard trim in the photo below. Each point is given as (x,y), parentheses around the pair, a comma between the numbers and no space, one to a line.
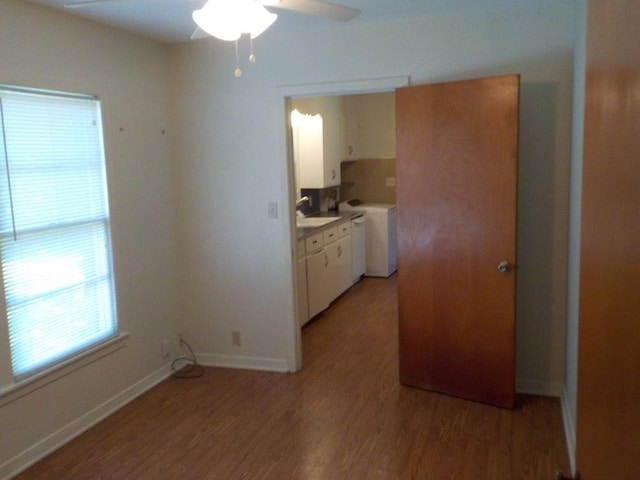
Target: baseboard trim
(536,387)
(245,363)
(54,441)
(569,429)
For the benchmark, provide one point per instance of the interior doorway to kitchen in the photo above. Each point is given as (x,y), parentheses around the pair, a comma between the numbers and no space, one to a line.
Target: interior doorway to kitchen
(292,94)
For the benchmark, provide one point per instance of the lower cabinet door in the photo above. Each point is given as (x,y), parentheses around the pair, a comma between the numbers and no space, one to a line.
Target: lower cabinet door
(332,273)
(319,285)
(303,298)
(339,275)
(341,261)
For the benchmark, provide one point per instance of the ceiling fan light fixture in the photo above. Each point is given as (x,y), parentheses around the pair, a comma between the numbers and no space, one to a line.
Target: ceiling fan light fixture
(259,20)
(229,19)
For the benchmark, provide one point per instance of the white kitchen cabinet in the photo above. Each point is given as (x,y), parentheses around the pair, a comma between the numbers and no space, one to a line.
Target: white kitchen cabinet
(335,254)
(350,129)
(344,229)
(345,257)
(320,288)
(329,235)
(329,268)
(301,276)
(341,260)
(369,126)
(377,126)
(321,275)
(317,141)
(303,298)
(313,243)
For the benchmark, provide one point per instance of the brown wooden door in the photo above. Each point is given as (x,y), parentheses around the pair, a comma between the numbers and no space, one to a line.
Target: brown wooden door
(457,147)
(608,417)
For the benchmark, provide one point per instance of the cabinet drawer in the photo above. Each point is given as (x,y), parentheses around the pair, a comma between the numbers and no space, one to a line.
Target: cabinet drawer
(313,243)
(344,229)
(330,235)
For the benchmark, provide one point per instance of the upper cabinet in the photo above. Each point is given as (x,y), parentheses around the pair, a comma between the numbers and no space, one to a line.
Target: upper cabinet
(350,128)
(317,141)
(332,129)
(369,129)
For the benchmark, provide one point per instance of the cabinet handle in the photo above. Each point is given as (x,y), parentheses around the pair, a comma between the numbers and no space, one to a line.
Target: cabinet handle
(339,251)
(326,260)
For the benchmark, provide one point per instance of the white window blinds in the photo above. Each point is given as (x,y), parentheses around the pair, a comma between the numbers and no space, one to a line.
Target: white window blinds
(54,227)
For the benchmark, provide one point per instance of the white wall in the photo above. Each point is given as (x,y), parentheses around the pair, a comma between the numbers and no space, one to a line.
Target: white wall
(41,48)
(232,162)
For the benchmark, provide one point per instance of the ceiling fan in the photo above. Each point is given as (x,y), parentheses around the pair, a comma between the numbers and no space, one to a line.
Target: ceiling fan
(230,19)
(320,8)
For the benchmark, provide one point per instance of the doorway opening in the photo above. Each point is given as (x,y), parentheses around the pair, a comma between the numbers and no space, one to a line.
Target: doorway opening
(303,93)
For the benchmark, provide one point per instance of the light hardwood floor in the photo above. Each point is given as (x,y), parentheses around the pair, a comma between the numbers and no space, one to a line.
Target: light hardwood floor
(344,416)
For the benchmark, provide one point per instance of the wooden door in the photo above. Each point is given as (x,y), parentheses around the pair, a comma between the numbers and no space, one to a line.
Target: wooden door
(457,147)
(608,417)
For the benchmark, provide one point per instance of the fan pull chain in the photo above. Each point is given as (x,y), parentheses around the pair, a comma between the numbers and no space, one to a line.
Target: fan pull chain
(238,70)
(252,57)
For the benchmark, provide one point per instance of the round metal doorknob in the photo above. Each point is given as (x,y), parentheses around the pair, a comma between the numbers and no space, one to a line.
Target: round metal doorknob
(504,267)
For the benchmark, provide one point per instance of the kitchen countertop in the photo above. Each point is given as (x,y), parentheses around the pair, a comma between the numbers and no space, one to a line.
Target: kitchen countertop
(303,232)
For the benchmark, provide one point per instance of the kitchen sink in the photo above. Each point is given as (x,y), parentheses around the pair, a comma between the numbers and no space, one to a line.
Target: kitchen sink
(307,222)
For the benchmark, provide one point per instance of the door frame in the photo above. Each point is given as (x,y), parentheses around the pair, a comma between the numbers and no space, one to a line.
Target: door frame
(285,93)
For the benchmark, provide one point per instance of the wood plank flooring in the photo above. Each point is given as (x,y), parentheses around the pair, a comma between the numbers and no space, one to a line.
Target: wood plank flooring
(344,416)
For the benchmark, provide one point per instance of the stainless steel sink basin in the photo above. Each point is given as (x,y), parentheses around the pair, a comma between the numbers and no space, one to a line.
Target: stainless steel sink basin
(307,222)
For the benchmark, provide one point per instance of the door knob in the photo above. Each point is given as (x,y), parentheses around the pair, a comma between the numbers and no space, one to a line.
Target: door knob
(504,267)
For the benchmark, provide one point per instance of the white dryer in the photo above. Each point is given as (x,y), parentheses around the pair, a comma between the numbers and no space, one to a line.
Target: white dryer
(382,237)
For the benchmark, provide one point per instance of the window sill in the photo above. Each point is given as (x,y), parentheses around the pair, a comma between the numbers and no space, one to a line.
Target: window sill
(15,391)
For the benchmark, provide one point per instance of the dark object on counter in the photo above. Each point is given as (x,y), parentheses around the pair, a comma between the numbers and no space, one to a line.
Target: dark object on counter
(313,205)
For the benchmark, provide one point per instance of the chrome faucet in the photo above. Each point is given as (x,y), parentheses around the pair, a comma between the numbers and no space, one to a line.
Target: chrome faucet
(299,202)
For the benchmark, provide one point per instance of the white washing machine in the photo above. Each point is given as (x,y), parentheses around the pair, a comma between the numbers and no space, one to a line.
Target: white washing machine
(382,237)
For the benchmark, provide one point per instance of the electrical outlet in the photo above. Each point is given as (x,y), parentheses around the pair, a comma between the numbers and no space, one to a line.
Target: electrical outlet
(235,338)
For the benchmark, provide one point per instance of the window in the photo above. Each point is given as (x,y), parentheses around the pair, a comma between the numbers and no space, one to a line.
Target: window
(55,243)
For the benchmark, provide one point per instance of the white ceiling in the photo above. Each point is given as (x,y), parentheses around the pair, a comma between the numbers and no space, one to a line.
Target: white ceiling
(170,21)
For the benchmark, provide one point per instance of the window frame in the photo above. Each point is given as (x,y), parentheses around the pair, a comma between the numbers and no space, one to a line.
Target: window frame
(90,349)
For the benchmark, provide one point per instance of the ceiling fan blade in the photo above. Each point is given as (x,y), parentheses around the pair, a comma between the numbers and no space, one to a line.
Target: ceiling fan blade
(87,3)
(199,33)
(319,8)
